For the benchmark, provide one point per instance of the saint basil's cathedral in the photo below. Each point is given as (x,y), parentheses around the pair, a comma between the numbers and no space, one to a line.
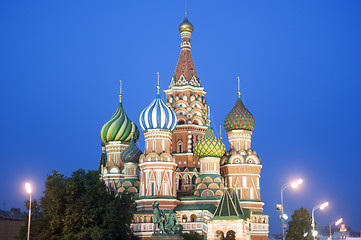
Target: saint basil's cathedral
(184,166)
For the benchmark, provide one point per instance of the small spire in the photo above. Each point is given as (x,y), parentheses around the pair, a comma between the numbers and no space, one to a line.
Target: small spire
(120,91)
(185,8)
(158,84)
(239,89)
(220,132)
(209,116)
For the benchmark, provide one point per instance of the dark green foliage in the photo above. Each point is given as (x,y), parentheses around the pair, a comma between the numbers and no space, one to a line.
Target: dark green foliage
(192,235)
(36,219)
(81,207)
(300,224)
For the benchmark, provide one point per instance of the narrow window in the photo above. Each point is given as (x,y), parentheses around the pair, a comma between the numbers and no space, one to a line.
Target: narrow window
(251,193)
(163,145)
(152,189)
(237,146)
(154,146)
(244,181)
(115,158)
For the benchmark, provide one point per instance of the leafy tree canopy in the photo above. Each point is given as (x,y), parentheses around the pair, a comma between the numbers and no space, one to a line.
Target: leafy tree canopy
(80,207)
(300,224)
(192,235)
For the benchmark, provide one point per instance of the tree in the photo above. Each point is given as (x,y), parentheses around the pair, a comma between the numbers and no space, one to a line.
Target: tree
(81,207)
(300,224)
(192,235)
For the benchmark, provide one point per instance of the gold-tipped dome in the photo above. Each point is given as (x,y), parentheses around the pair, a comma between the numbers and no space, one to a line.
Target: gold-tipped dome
(185,26)
(209,146)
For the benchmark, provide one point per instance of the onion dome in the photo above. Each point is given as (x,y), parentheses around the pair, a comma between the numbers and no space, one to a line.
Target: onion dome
(185,26)
(119,127)
(157,116)
(209,146)
(131,153)
(239,118)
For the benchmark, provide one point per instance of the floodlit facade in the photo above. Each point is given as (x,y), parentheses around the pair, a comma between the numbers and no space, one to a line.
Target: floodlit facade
(184,166)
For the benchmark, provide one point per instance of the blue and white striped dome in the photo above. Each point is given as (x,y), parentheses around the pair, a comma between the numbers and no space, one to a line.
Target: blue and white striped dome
(157,116)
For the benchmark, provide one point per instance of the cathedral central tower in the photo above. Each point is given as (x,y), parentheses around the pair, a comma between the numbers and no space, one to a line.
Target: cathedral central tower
(185,97)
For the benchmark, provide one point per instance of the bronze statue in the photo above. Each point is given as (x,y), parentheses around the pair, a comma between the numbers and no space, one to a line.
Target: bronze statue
(157,217)
(169,225)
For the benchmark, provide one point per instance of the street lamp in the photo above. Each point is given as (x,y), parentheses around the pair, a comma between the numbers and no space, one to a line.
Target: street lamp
(321,206)
(28,190)
(294,185)
(336,223)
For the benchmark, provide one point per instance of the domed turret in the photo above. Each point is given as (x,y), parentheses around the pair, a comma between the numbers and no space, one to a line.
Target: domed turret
(186,26)
(158,115)
(239,118)
(119,127)
(131,153)
(209,146)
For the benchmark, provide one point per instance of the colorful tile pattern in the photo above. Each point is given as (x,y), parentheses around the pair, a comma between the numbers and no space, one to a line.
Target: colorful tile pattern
(239,118)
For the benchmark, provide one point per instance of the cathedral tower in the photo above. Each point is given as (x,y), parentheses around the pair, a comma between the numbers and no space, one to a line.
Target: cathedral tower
(157,178)
(116,135)
(186,97)
(130,156)
(241,167)
(209,149)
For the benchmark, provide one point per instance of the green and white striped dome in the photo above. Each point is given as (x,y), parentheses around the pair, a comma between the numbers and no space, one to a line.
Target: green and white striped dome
(119,128)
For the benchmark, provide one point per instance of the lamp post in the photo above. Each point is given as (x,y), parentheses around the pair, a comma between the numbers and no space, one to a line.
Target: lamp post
(28,190)
(321,206)
(336,223)
(283,215)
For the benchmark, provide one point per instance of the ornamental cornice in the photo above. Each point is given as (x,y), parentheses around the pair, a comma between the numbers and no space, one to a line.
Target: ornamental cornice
(185,88)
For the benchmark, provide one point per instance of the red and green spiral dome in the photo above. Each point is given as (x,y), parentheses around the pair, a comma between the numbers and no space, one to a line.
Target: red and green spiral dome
(239,118)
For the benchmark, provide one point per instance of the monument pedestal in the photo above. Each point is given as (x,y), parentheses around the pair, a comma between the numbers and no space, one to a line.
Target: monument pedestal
(159,236)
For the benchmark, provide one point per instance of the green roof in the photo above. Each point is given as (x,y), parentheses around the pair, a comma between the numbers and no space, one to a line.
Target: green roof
(226,207)
(236,202)
(191,207)
(225,218)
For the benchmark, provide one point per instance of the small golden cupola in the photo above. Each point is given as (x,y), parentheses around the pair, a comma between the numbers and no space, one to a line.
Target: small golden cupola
(186,26)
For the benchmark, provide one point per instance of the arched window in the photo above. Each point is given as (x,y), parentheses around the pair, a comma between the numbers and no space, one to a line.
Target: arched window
(231,235)
(186,179)
(194,179)
(193,218)
(184,218)
(219,235)
(180,147)
(180,182)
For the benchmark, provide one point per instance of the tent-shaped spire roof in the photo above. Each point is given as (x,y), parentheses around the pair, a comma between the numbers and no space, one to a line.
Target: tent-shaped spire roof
(235,201)
(226,207)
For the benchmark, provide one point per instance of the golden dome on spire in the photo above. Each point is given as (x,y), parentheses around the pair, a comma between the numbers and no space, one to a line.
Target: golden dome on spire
(185,26)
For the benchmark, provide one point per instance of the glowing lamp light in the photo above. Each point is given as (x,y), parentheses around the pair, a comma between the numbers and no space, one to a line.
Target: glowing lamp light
(28,187)
(324,205)
(314,233)
(296,183)
(339,221)
(305,234)
(285,217)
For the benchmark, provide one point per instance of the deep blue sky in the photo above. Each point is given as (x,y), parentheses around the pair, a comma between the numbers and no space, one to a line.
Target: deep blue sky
(299,64)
